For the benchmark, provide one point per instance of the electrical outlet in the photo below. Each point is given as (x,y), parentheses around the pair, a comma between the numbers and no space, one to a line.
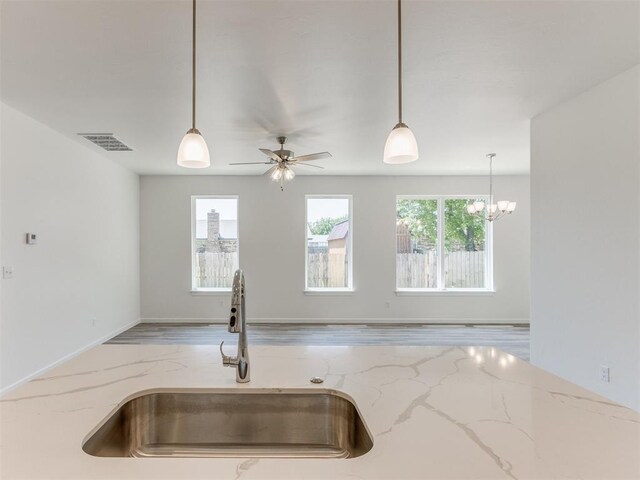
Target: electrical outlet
(7,272)
(604,374)
(31,239)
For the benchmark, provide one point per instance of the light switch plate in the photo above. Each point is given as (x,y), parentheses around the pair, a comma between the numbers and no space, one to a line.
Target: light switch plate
(604,374)
(7,272)
(32,239)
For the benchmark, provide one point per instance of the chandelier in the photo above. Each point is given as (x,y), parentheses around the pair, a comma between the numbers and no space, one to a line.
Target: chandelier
(493,211)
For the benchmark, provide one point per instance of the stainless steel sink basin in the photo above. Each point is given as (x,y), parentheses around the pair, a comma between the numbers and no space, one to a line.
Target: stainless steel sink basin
(251,423)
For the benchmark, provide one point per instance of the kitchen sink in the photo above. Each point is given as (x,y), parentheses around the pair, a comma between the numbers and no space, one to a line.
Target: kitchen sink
(251,423)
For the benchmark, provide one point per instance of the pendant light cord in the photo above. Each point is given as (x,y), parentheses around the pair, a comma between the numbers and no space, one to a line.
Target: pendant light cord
(399,61)
(193,69)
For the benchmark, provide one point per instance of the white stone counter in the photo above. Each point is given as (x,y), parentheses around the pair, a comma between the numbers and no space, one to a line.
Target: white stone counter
(432,413)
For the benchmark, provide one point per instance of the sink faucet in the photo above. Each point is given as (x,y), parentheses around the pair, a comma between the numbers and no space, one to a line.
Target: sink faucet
(238,324)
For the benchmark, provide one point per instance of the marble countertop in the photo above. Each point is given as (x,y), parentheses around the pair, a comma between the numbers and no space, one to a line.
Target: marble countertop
(433,413)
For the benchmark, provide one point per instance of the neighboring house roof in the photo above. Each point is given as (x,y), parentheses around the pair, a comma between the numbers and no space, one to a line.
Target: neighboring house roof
(340,230)
(318,239)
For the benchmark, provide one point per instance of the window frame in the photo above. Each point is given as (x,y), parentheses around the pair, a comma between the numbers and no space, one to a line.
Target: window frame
(328,290)
(489,287)
(211,290)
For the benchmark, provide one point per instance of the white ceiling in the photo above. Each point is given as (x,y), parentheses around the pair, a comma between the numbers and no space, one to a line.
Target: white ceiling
(322,72)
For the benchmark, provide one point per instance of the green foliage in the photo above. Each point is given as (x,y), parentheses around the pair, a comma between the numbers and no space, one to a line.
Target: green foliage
(421,216)
(462,231)
(323,226)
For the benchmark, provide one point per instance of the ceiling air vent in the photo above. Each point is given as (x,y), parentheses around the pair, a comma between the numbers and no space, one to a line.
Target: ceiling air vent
(106,141)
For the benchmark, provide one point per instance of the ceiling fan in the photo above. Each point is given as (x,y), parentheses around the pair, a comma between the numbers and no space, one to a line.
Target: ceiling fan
(282,161)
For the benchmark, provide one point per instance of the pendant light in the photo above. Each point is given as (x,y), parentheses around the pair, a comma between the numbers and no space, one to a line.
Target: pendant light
(401,146)
(493,211)
(193,151)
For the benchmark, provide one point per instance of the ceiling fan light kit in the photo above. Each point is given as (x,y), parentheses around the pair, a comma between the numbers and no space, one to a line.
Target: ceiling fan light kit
(282,161)
(193,151)
(401,146)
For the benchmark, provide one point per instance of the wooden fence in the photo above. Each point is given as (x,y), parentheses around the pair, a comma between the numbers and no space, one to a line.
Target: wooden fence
(416,270)
(215,270)
(413,270)
(462,270)
(327,270)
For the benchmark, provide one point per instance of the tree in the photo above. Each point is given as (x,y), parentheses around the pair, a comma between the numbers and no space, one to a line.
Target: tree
(461,229)
(324,225)
(421,216)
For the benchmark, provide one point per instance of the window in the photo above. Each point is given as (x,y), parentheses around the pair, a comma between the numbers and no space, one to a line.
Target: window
(214,242)
(328,246)
(440,246)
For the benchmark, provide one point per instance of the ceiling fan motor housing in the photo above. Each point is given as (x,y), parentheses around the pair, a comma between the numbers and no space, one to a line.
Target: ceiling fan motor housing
(284,154)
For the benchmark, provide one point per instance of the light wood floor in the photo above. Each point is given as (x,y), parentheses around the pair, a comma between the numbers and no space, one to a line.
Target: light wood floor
(511,339)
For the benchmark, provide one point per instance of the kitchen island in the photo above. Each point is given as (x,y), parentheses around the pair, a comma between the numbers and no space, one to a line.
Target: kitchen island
(432,412)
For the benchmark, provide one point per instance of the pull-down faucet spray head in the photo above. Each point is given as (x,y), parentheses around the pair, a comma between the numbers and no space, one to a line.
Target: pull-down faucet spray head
(237,324)
(237,303)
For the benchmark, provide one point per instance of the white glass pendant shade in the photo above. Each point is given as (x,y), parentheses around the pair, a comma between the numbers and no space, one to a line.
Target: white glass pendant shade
(471,209)
(502,205)
(193,151)
(492,208)
(511,207)
(479,206)
(401,146)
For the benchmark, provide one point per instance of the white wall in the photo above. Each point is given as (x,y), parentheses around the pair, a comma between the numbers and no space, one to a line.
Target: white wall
(84,209)
(585,159)
(272,236)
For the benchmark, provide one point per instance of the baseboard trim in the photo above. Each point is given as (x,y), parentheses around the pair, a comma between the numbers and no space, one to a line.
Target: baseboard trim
(353,321)
(69,356)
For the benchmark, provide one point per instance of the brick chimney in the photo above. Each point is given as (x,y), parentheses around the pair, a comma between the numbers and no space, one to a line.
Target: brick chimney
(213,231)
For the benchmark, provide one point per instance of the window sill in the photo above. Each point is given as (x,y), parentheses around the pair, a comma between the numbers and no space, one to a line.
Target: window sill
(217,291)
(330,291)
(466,292)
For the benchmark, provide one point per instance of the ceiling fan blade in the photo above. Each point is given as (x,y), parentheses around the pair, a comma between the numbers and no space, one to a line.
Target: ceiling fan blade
(271,154)
(313,156)
(296,164)
(252,163)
